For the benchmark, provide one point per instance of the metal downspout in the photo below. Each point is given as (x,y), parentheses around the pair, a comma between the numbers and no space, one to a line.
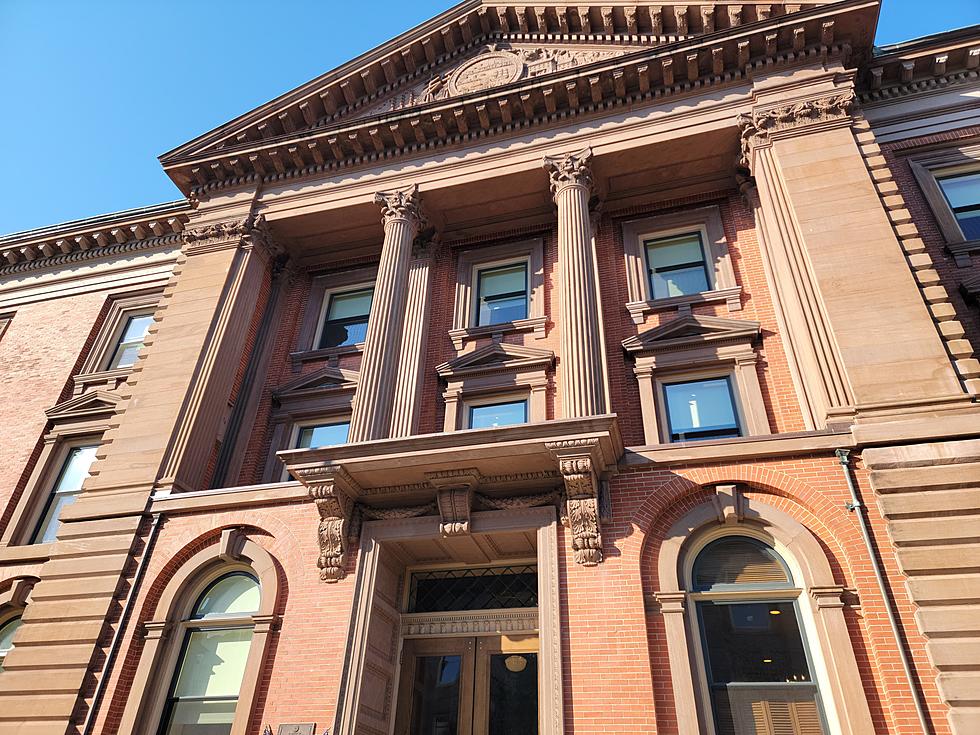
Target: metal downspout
(856,506)
(123,620)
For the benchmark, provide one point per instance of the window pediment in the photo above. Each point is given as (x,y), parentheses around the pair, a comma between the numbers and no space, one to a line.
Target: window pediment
(94,403)
(693,331)
(323,382)
(497,357)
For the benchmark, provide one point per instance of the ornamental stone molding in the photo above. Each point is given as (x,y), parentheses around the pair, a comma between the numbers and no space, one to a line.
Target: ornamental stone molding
(251,231)
(400,204)
(757,127)
(331,489)
(569,169)
(577,464)
(454,497)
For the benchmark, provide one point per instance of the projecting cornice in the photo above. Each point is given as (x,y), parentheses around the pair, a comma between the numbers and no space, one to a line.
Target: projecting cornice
(923,64)
(488,89)
(96,237)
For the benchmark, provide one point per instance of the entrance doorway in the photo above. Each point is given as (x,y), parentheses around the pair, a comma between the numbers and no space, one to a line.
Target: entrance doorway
(487,685)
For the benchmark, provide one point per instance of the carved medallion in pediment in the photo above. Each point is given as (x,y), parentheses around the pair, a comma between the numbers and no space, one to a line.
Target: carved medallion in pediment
(495,65)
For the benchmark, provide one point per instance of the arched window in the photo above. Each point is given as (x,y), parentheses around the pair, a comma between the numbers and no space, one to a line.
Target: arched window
(216,639)
(7,630)
(759,673)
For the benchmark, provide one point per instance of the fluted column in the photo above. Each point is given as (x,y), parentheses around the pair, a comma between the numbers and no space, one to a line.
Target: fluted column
(371,417)
(583,380)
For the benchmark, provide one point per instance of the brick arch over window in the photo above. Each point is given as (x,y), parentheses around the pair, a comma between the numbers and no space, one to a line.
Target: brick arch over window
(701,514)
(179,589)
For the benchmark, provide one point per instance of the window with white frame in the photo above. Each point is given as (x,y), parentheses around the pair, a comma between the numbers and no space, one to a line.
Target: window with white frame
(130,340)
(345,318)
(64,491)
(701,409)
(499,289)
(950,180)
(676,260)
(493,414)
(322,434)
(216,639)
(118,341)
(962,192)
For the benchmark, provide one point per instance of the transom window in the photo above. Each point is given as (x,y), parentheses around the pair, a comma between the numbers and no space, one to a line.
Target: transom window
(962,192)
(323,435)
(676,266)
(498,414)
(205,688)
(701,409)
(759,674)
(502,294)
(346,318)
(65,491)
(7,630)
(130,341)
(474,588)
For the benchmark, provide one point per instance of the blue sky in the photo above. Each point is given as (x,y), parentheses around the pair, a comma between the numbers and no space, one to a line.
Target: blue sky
(95,90)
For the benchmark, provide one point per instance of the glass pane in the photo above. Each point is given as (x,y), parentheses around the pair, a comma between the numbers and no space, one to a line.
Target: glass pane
(352,304)
(213,663)
(324,435)
(506,280)
(678,282)
(514,694)
(201,718)
(969,224)
(435,695)
(962,190)
(131,341)
(234,594)
(737,560)
(753,642)
(65,491)
(674,251)
(498,414)
(701,409)
(47,531)
(341,334)
(474,588)
(502,310)
(7,631)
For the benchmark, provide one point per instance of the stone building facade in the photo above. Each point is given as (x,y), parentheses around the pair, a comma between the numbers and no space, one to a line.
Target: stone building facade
(559,369)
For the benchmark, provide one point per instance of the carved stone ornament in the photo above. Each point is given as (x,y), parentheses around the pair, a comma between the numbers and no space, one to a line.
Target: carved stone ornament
(494,69)
(755,128)
(400,204)
(570,169)
(454,496)
(577,464)
(330,488)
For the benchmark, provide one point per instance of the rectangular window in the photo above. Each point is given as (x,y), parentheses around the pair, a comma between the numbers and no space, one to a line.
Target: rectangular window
(130,341)
(323,435)
(701,409)
(676,266)
(65,492)
(962,192)
(502,294)
(346,318)
(498,414)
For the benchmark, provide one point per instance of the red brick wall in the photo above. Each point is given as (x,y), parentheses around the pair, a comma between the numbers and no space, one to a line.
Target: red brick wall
(43,346)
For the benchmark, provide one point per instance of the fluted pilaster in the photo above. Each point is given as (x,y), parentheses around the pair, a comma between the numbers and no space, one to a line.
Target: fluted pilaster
(372,409)
(583,380)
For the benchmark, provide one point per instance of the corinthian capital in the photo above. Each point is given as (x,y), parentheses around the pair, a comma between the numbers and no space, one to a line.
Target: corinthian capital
(400,204)
(570,169)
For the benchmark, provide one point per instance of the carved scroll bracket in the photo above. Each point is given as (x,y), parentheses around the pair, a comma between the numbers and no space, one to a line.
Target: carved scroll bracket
(729,504)
(579,467)
(332,490)
(454,496)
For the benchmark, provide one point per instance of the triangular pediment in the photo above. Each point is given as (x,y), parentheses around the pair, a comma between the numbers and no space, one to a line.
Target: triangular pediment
(324,380)
(497,356)
(690,330)
(92,403)
(473,50)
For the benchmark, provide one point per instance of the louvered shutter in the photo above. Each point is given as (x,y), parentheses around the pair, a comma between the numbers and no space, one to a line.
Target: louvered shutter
(776,712)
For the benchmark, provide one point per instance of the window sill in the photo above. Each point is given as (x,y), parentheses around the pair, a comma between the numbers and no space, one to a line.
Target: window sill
(326,353)
(731,296)
(534,324)
(108,378)
(961,252)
